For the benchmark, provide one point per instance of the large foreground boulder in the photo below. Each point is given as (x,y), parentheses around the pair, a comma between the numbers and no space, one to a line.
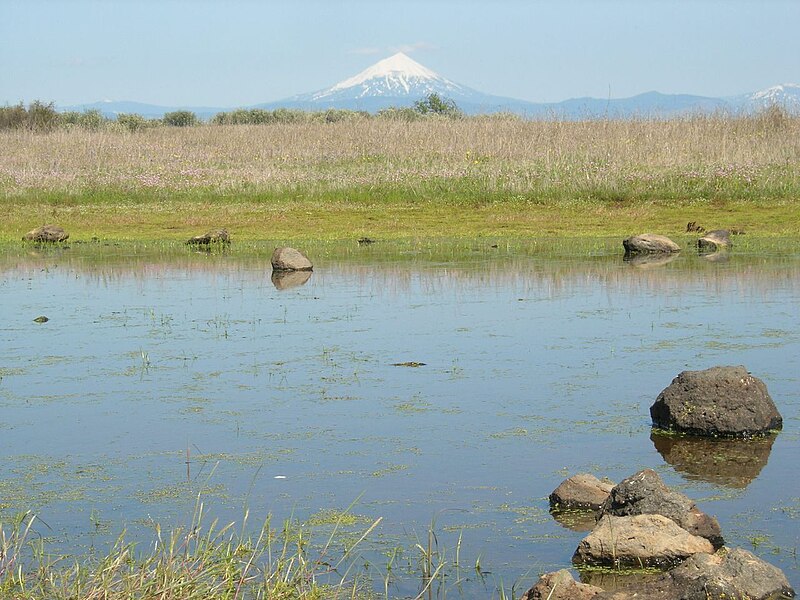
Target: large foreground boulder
(649,243)
(46,233)
(727,575)
(720,401)
(638,541)
(714,240)
(644,493)
(289,259)
(580,492)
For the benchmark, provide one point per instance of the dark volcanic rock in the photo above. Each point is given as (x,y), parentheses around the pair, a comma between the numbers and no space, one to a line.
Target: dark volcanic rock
(582,491)
(645,493)
(649,243)
(714,240)
(46,233)
(731,462)
(725,401)
(727,575)
(215,236)
(638,541)
(289,259)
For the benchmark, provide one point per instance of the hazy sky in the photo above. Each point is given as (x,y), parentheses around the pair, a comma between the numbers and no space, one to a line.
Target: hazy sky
(237,52)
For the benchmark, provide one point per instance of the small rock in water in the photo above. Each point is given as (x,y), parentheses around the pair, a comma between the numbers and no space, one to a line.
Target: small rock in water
(41,319)
(560,585)
(583,491)
(649,243)
(410,363)
(289,259)
(714,240)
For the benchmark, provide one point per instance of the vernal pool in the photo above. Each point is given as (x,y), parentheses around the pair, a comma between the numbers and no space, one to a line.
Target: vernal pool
(164,374)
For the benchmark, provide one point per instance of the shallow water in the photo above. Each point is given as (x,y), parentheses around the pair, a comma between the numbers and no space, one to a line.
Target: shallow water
(164,373)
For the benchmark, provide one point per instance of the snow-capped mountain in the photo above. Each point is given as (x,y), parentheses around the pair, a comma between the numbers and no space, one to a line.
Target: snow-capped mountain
(396,81)
(397,75)
(786,95)
(399,81)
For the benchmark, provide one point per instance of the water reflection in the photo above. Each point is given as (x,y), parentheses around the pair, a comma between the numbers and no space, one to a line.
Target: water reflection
(539,359)
(647,261)
(575,520)
(732,463)
(286,280)
(717,256)
(612,581)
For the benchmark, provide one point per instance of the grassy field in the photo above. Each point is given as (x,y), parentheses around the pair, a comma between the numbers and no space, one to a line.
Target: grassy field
(484,176)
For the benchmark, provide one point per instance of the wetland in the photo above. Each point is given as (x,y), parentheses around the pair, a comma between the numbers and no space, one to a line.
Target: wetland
(436,387)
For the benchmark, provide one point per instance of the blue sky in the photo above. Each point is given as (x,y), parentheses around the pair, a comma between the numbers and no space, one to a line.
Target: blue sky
(237,52)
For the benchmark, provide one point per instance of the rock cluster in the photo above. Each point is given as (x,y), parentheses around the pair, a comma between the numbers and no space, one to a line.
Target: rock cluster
(728,574)
(644,493)
(643,523)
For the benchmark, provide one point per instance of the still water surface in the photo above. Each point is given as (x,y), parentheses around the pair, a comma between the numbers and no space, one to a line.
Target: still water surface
(164,374)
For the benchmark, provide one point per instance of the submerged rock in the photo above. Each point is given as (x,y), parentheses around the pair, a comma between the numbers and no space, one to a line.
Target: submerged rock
(215,236)
(638,541)
(726,401)
(583,491)
(645,493)
(714,240)
(46,233)
(289,259)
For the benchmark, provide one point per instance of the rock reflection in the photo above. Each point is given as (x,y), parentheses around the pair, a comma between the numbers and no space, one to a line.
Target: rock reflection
(285,280)
(732,463)
(613,580)
(716,256)
(649,261)
(575,520)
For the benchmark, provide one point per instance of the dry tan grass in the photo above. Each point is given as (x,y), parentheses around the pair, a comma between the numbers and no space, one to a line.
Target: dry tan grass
(498,152)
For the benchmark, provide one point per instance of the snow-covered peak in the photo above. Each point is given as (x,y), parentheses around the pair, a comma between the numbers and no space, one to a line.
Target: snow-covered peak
(787,94)
(399,66)
(395,77)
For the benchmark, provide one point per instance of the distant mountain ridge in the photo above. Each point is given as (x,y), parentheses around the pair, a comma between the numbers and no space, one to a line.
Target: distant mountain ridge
(399,81)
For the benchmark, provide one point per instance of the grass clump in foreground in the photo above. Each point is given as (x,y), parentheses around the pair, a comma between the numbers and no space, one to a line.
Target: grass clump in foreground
(200,562)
